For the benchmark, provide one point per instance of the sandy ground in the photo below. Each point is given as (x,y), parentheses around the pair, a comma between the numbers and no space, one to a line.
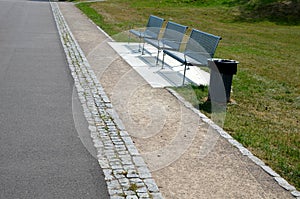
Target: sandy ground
(186,158)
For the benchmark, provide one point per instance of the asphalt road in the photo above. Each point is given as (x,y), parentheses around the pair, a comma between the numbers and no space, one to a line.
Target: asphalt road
(42,155)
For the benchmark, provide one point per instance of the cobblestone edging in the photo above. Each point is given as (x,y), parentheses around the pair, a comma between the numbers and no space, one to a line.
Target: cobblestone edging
(126,174)
(281,181)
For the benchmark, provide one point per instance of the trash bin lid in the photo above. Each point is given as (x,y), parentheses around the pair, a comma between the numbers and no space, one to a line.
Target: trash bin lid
(226,61)
(224,66)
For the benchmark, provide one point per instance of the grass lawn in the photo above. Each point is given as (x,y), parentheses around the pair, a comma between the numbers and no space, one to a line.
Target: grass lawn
(266,118)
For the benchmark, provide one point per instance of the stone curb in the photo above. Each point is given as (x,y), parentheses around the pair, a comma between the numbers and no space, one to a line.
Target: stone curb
(126,173)
(281,181)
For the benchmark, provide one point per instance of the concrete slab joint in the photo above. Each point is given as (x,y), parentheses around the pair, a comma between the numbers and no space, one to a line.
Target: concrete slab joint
(126,173)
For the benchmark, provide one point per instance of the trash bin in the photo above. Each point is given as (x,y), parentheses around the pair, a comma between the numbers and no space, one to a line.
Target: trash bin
(221,73)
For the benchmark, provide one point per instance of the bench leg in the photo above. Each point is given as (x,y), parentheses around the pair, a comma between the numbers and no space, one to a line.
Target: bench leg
(140,41)
(163,61)
(157,56)
(140,46)
(143,49)
(185,65)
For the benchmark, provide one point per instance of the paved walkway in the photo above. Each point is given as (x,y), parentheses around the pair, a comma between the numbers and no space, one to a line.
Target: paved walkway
(188,156)
(42,155)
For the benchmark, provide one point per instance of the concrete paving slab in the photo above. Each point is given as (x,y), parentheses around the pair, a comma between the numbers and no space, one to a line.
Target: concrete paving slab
(157,76)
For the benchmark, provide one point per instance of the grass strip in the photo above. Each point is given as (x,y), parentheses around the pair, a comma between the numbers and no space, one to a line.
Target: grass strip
(95,17)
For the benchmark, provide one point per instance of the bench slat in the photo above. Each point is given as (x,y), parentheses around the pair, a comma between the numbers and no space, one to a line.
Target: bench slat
(200,47)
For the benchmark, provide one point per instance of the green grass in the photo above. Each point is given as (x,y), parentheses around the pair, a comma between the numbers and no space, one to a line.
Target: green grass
(267,85)
(98,19)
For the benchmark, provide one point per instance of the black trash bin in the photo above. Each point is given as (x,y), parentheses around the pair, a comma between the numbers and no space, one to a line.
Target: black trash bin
(222,71)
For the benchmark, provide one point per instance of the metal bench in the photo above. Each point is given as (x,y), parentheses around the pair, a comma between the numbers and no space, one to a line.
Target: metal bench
(200,47)
(171,39)
(152,30)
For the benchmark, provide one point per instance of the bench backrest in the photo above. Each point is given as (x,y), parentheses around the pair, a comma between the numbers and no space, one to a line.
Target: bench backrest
(154,26)
(173,35)
(201,43)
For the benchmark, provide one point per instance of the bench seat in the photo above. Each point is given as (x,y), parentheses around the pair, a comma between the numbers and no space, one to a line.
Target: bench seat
(171,39)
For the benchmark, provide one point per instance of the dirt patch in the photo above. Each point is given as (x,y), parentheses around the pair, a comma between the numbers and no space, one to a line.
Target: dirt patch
(283,12)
